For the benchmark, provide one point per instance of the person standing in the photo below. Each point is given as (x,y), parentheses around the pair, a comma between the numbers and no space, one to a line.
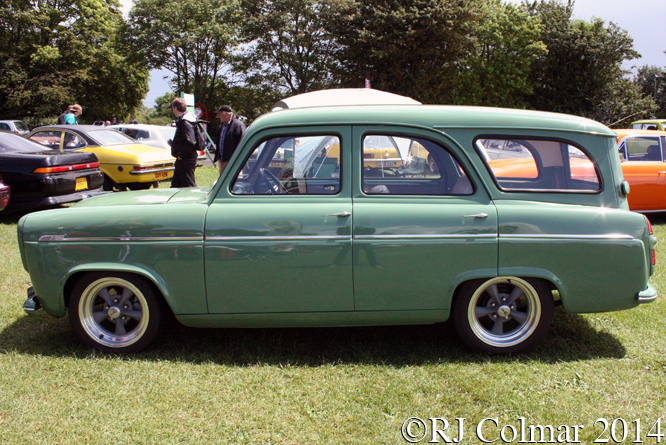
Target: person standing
(184,145)
(132,121)
(74,111)
(229,135)
(61,118)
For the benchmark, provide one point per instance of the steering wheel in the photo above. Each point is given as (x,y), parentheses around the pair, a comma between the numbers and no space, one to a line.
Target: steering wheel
(269,177)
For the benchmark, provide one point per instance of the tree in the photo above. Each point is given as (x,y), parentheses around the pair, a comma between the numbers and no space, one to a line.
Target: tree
(645,80)
(410,47)
(287,46)
(584,60)
(620,103)
(193,39)
(55,53)
(497,70)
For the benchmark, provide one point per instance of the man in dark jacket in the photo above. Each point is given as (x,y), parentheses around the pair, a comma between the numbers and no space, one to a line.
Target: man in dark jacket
(230,133)
(184,145)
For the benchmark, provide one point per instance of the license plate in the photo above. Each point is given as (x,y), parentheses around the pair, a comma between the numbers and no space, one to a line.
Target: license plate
(387,163)
(161,175)
(81,184)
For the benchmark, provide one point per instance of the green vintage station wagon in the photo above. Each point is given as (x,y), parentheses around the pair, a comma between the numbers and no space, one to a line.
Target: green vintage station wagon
(359,215)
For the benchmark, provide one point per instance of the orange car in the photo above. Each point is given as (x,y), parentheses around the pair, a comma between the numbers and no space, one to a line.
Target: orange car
(642,154)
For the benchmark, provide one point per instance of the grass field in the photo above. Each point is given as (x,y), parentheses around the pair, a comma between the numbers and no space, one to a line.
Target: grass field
(324,386)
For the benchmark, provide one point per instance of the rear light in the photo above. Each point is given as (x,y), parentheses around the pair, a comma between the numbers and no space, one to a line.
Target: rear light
(368,155)
(16,131)
(653,255)
(142,168)
(649,226)
(66,168)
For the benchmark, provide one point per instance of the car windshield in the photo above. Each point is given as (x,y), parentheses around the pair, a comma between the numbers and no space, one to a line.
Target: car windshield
(13,143)
(20,126)
(167,132)
(111,137)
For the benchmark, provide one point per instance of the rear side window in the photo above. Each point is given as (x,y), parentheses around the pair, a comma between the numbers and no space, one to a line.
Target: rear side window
(538,165)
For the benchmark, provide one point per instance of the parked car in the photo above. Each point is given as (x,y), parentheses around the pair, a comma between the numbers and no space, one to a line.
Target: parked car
(329,241)
(5,194)
(41,177)
(157,136)
(642,154)
(649,124)
(125,163)
(15,126)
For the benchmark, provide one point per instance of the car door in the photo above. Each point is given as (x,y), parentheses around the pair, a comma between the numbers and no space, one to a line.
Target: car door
(421,225)
(644,169)
(278,231)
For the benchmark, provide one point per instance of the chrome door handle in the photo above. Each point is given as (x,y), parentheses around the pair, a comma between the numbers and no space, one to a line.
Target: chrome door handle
(478,215)
(340,214)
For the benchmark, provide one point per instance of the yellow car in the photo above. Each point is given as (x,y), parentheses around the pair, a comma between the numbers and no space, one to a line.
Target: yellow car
(125,163)
(649,124)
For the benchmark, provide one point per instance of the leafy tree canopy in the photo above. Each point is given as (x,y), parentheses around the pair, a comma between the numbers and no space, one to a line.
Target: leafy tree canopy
(193,39)
(649,78)
(55,53)
(287,45)
(496,72)
(409,47)
(584,60)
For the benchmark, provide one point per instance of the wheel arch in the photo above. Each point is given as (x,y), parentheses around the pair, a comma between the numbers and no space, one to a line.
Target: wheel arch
(76,273)
(550,279)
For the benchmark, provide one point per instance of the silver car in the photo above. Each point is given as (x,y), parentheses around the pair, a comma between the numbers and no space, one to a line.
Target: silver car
(158,136)
(15,126)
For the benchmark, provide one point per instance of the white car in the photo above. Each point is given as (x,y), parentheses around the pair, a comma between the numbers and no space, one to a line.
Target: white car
(15,126)
(158,136)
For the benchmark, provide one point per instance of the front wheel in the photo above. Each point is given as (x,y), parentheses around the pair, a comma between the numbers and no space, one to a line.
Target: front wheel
(502,315)
(115,312)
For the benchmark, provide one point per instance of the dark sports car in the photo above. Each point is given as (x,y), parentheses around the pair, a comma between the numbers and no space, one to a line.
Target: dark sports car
(40,177)
(5,194)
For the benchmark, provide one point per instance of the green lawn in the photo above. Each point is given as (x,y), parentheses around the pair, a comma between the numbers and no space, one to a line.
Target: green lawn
(320,386)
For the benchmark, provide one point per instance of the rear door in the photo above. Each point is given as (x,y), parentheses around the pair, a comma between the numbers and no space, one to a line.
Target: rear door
(422,224)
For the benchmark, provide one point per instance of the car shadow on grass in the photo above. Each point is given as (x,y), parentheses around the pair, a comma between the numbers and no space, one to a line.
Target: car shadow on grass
(571,338)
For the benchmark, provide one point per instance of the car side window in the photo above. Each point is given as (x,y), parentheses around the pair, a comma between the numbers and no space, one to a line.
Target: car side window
(48,138)
(4,126)
(73,141)
(403,165)
(641,148)
(538,165)
(292,165)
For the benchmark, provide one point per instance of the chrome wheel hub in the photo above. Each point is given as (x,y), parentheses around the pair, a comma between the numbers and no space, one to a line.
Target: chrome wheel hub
(504,311)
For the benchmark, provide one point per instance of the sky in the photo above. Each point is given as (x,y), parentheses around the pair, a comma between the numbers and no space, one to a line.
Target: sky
(642,19)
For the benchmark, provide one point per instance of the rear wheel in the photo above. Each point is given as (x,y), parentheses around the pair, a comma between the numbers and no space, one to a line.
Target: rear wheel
(108,184)
(115,312)
(502,315)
